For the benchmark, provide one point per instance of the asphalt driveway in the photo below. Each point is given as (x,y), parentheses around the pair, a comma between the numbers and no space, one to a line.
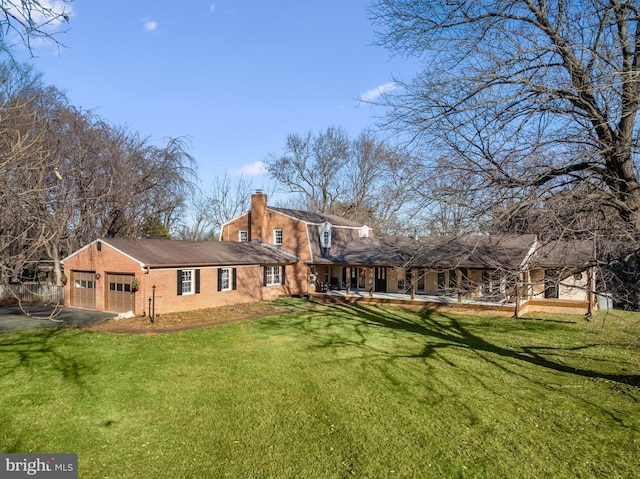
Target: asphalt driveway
(13,319)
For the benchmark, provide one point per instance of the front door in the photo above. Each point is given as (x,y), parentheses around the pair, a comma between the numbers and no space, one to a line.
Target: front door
(381,280)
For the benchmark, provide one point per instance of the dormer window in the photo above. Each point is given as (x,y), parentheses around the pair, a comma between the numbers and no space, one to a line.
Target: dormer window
(364,231)
(325,235)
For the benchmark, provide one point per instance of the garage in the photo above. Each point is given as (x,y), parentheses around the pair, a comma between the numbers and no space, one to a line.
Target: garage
(84,289)
(120,298)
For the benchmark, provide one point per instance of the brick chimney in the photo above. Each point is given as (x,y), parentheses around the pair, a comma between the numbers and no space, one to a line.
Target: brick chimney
(258,217)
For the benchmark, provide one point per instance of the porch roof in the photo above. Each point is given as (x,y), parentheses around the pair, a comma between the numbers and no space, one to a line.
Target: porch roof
(564,254)
(506,252)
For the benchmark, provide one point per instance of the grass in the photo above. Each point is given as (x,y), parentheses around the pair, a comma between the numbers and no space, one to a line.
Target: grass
(342,391)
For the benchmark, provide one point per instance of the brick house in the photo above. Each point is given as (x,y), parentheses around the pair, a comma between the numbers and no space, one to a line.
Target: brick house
(269,252)
(309,236)
(337,254)
(122,275)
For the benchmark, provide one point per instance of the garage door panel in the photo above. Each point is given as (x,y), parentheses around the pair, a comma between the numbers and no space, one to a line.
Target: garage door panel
(84,289)
(120,298)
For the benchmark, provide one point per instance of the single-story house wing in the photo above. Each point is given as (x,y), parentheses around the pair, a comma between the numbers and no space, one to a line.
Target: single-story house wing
(121,274)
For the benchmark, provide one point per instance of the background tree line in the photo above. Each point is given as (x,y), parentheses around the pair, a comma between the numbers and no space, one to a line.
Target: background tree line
(68,176)
(523,120)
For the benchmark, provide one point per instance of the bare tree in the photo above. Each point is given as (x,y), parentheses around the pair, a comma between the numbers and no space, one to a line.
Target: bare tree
(67,177)
(225,198)
(311,166)
(530,97)
(364,180)
(27,21)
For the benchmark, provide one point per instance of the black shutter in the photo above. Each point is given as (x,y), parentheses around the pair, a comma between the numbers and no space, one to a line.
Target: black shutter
(264,276)
(282,275)
(233,272)
(197,281)
(219,279)
(179,282)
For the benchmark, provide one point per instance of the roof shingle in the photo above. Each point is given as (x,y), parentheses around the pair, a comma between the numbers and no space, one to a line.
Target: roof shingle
(177,253)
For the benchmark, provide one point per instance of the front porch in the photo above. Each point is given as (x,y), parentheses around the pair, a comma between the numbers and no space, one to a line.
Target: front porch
(421,300)
(435,302)
(517,292)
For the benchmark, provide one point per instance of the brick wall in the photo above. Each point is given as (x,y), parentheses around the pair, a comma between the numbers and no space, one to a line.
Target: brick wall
(260,224)
(249,281)
(249,288)
(103,261)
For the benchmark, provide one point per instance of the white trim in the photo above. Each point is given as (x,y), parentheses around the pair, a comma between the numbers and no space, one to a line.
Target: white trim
(229,271)
(192,282)
(530,253)
(275,236)
(280,269)
(142,265)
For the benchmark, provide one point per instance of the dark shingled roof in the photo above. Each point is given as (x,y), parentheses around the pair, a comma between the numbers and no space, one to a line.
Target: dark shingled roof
(564,254)
(436,252)
(156,253)
(340,238)
(316,218)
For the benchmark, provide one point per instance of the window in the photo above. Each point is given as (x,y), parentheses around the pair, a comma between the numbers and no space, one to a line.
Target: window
(226,279)
(325,235)
(188,281)
(326,239)
(84,284)
(273,275)
(242,236)
(277,236)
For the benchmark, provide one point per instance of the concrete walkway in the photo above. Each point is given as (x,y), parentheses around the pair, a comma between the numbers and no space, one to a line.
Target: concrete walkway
(12,318)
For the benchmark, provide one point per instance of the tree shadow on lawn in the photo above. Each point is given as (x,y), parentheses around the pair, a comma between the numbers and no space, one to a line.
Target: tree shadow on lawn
(452,334)
(39,351)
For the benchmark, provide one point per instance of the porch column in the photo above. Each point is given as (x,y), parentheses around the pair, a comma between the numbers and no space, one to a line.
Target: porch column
(516,313)
(527,285)
(591,286)
(348,275)
(413,283)
(459,282)
(370,282)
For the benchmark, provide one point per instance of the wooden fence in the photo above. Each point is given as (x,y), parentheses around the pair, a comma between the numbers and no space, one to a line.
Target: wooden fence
(33,293)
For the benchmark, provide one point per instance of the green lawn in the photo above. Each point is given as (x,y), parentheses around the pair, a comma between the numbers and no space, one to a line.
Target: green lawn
(341,391)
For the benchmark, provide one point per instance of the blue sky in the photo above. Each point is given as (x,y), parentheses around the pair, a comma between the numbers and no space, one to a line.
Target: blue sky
(234,76)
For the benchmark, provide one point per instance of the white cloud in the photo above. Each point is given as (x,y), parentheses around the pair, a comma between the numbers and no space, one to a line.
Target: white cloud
(212,8)
(150,25)
(254,169)
(375,93)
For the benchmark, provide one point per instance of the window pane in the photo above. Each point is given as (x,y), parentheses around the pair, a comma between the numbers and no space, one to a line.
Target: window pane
(224,278)
(187,281)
